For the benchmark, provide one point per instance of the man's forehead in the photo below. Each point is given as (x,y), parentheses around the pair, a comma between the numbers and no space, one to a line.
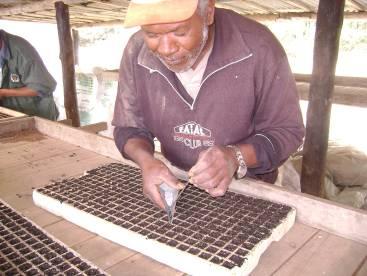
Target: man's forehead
(192,22)
(165,27)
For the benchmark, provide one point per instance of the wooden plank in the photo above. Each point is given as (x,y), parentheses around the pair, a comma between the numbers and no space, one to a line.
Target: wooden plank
(20,197)
(9,128)
(34,151)
(18,181)
(313,211)
(339,80)
(11,112)
(67,61)
(19,202)
(67,154)
(102,252)
(90,141)
(325,254)
(17,139)
(95,128)
(357,4)
(39,216)
(139,265)
(34,173)
(67,122)
(34,7)
(328,27)
(36,147)
(278,253)
(342,95)
(68,233)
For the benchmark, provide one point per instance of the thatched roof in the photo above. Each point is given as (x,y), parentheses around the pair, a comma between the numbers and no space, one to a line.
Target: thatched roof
(86,12)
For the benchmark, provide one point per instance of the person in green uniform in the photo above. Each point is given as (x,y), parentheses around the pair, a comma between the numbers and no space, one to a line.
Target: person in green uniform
(25,83)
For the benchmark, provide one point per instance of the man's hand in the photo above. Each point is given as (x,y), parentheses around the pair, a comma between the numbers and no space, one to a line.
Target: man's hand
(18,92)
(154,174)
(154,171)
(214,170)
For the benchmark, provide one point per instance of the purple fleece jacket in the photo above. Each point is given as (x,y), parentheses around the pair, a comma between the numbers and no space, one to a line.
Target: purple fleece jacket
(247,95)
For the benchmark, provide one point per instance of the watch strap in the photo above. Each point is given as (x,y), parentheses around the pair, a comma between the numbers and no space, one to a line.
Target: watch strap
(242,167)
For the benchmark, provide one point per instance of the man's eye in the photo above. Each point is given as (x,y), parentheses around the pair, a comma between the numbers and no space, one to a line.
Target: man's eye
(151,35)
(180,33)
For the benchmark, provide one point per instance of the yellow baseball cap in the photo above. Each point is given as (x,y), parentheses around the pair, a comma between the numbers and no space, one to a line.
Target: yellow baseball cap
(145,12)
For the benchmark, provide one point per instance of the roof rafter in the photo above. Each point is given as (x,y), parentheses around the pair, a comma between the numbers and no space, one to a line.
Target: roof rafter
(35,7)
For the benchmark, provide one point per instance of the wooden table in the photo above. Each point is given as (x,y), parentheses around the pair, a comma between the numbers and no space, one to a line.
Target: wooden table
(7,114)
(34,152)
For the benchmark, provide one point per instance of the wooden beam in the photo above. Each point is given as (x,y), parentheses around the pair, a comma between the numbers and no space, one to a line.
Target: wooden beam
(110,23)
(9,128)
(37,6)
(328,28)
(342,95)
(67,60)
(359,6)
(300,4)
(300,15)
(67,122)
(11,112)
(95,128)
(339,80)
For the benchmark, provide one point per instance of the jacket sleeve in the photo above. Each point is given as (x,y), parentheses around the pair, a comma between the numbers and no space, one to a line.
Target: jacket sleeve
(35,74)
(128,119)
(279,128)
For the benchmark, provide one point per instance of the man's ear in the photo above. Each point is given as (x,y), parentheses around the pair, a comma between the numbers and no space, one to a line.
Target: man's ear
(210,12)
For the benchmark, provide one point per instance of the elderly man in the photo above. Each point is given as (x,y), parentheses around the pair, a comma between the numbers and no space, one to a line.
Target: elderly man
(25,83)
(213,87)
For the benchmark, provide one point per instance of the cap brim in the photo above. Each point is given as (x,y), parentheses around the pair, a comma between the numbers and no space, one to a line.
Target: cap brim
(157,13)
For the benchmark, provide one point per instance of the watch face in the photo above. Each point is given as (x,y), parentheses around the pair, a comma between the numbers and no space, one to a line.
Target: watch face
(241,171)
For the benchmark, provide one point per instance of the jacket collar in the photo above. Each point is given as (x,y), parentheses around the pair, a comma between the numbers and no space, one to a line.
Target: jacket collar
(229,44)
(5,53)
(229,47)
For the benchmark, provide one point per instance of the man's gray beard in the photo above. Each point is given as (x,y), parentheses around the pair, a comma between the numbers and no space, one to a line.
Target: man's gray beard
(192,57)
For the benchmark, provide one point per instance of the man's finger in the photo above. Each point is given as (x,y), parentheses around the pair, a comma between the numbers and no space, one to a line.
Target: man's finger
(200,165)
(154,196)
(157,199)
(220,190)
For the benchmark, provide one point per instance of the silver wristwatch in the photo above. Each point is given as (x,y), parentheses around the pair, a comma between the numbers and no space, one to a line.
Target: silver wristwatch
(242,167)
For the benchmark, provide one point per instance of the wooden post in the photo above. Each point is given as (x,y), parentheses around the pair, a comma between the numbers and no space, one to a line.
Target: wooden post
(328,27)
(67,61)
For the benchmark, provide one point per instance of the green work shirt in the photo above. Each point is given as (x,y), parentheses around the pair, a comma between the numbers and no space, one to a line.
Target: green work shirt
(23,67)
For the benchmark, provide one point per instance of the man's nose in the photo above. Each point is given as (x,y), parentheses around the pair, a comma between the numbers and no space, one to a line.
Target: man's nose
(167,46)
